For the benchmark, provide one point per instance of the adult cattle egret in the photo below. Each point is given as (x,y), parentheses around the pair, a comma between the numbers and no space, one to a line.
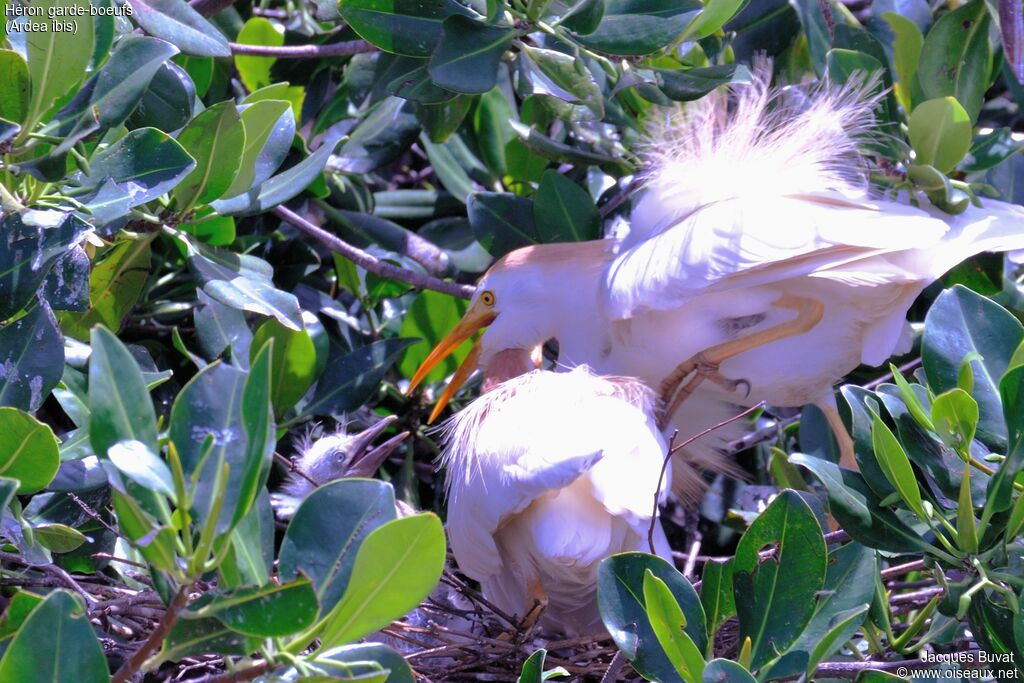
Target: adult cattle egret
(548,474)
(756,250)
(332,457)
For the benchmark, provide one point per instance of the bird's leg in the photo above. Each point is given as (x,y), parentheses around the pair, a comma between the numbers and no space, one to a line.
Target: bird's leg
(843,438)
(539,602)
(704,365)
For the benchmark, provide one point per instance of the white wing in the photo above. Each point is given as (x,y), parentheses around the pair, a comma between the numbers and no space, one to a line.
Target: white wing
(744,242)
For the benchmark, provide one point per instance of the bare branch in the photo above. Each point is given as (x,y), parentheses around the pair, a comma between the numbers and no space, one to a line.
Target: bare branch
(371,262)
(351,47)
(155,639)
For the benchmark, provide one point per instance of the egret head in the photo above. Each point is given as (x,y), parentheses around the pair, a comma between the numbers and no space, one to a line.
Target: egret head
(519,303)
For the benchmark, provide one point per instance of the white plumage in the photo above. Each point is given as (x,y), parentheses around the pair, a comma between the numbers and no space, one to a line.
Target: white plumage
(756,242)
(548,474)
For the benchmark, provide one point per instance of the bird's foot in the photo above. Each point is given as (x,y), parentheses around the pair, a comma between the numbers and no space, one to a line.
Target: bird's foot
(527,623)
(698,369)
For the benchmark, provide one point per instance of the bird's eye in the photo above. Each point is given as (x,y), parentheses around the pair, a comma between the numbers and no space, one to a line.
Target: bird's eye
(487,298)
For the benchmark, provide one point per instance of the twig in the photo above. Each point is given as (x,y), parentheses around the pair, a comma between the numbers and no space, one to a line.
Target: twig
(246,674)
(371,262)
(614,667)
(155,639)
(691,559)
(292,467)
(123,560)
(672,451)
(351,47)
(54,571)
(902,569)
(853,669)
(95,516)
(616,201)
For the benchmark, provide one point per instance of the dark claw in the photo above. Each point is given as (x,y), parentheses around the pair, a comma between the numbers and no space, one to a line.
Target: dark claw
(737,383)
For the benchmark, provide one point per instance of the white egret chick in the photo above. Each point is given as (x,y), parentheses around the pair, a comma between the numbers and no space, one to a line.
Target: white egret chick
(331,457)
(757,257)
(549,473)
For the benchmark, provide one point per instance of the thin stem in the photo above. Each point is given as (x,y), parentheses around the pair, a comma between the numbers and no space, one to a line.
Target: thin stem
(351,47)
(371,262)
(156,638)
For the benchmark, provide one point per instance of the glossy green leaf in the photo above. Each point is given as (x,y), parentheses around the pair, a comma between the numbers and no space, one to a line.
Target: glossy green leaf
(18,609)
(141,465)
(967,532)
(961,322)
(640,27)
(620,598)
(584,16)
(251,558)
(725,671)
(501,221)
(404,27)
(268,611)
(32,356)
(711,18)
(114,286)
(467,57)
(119,402)
(533,669)
(775,597)
(686,85)
(955,416)
(956,58)
(350,378)
(563,211)
(327,530)
(59,538)
(56,644)
(209,228)
(255,71)
(293,360)
(940,132)
(842,627)
(213,139)
(269,130)
(668,623)
(562,76)
(28,450)
(342,660)
(896,465)
(57,60)
(716,594)
(168,102)
(179,24)
(202,636)
(15,86)
(906,52)
(396,566)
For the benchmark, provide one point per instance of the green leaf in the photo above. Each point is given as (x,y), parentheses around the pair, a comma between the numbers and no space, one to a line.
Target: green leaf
(955,416)
(351,378)
(15,86)
(533,669)
(119,402)
(255,71)
(251,558)
(441,120)
(490,123)
(430,317)
(467,57)
(180,25)
(57,60)
(268,611)
(204,636)
(725,671)
(584,16)
(293,360)
(269,130)
(28,450)
(168,102)
(56,644)
(842,627)
(32,355)
(842,64)
(640,27)
(18,609)
(59,538)
(501,222)
(209,228)
(668,623)
(213,139)
(620,597)
(775,597)
(711,18)
(716,594)
(961,322)
(911,399)
(956,57)
(404,27)
(327,530)
(940,132)
(896,465)
(686,85)
(114,286)
(562,76)
(134,460)
(396,567)
(967,532)
(906,53)
(563,211)
(349,659)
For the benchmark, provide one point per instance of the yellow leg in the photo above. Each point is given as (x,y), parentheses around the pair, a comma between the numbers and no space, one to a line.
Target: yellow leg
(704,365)
(539,602)
(846,455)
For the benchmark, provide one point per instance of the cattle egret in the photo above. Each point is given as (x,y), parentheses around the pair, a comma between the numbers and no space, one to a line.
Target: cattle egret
(332,457)
(548,474)
(757,257)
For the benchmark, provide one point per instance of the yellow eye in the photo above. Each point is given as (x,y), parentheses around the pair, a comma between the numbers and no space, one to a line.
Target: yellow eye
(487,297)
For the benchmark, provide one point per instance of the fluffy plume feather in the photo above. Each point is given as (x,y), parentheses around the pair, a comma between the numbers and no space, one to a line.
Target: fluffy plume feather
(756,140)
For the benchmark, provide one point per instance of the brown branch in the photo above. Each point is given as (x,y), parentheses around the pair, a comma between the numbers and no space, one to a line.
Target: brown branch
(351,47)
(371,262)
(672,451)
(54,571)
(155,639)
(611,674)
